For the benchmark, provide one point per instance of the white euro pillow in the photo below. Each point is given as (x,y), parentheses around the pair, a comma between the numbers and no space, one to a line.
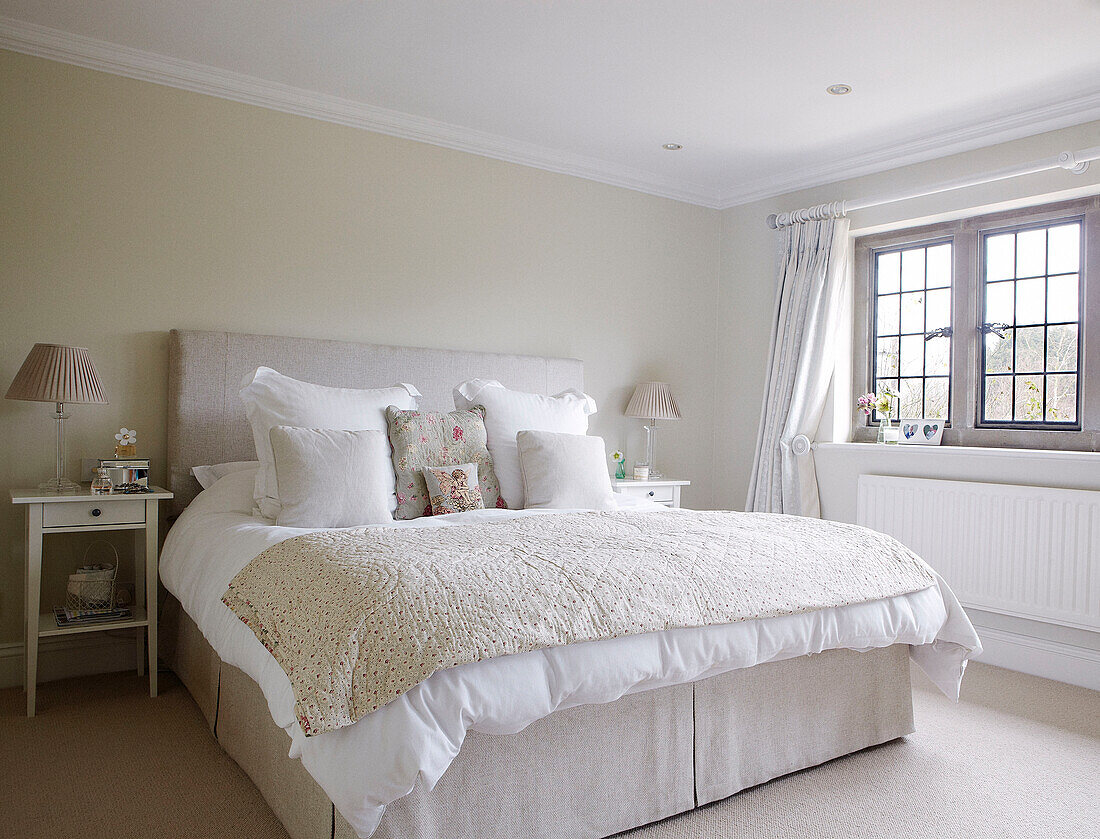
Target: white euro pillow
(332,478)
(507,412)
(272,399)
(564,471)
(207,476)
(231,493)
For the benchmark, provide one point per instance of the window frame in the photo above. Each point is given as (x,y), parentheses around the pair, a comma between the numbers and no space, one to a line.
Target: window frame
(983,287)
(871,373)
(965,427)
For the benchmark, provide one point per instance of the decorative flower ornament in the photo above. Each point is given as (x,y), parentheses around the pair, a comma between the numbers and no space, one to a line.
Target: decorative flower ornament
(882,402)
(617,456)
(126,437)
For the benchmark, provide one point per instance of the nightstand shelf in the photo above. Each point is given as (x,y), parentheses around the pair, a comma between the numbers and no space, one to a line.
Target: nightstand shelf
(82,512)
(659,490)
(47,624)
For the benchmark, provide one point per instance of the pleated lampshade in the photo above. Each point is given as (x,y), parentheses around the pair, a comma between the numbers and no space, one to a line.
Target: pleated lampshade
(653,400)
(53,373)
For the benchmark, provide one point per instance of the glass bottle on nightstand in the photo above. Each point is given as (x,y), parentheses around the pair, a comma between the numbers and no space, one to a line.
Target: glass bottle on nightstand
(101,485)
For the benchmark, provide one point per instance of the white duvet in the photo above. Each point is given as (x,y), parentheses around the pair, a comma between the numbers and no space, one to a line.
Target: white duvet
(367,765)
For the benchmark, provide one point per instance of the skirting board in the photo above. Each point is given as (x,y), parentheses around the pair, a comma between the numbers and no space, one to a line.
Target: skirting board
(1041,657)
(63,657)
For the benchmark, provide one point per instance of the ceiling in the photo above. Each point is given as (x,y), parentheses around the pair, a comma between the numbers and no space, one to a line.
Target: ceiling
(595,88)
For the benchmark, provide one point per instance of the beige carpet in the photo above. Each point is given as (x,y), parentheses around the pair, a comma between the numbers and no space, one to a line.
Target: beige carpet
(1020,757)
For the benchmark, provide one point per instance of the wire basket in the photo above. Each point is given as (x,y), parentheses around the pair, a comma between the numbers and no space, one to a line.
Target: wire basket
(92,587)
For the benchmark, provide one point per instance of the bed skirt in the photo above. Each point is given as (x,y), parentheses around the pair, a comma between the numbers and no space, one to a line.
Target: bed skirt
(587,772)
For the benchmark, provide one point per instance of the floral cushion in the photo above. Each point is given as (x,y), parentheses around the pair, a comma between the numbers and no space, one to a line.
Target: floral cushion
(453,489)
(431,438)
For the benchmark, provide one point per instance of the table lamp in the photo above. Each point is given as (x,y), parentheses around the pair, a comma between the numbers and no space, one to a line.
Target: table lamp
(53,373)
(652,401)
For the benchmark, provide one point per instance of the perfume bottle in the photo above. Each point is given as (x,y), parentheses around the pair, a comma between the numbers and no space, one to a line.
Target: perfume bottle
(102,483)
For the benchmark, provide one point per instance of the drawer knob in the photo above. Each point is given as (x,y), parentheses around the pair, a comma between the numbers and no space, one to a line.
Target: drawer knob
(651,493)
(96,512)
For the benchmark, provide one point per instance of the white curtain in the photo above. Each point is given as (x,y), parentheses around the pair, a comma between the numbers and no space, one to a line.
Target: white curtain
(813,288)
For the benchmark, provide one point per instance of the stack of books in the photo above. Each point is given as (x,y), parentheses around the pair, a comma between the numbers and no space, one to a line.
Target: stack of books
(84,617)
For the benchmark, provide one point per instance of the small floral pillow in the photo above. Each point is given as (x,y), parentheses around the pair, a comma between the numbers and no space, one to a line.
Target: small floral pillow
(422,439)
(453,489)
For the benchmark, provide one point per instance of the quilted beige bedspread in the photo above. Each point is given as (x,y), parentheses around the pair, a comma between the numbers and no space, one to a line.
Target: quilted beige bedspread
(359,617)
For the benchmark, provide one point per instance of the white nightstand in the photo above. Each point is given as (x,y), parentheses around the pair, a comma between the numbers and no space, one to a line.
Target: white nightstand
(662,490)
(80,512)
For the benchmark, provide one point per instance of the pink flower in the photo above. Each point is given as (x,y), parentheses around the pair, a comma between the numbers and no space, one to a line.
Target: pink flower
(457,434)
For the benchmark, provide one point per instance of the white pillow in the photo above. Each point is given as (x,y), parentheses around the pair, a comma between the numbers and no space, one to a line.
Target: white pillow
(330,478)
(508,412)
(207,476)
(229,494)
(272,399)
(564,471)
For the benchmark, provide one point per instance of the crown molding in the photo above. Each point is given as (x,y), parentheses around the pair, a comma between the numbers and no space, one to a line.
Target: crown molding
(107,57)
(92,53)
(1049,117)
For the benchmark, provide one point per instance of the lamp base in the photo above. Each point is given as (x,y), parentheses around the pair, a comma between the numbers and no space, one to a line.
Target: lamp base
(59,485)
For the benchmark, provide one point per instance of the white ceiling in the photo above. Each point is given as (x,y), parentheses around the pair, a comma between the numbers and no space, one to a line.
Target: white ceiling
(595,88)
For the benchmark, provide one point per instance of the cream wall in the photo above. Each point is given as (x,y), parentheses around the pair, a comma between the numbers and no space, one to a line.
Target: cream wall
(130,209)
(747,289)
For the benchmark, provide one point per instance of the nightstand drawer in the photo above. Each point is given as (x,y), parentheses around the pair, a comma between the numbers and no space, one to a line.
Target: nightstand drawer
(660,494)
(79,513)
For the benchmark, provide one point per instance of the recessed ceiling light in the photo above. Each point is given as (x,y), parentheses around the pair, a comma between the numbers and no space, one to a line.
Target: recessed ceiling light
(671,147)
(839,89)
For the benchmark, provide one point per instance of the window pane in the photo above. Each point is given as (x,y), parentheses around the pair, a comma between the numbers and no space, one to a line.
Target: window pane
(1029,350)
(939,308)
(912,356)
(937,357)
(911,398)
(1062,348)
(912,312)
(999,305)
(881,384)
(1061,399)
(1029,398)
(1062,298)
(998,398)
(912,269)
(886,363)
(1000,257)
(889,314)
(998,353)
(939,266)
(889,272)
(1031,253)
(1030,301)
(1064,249)
(935,398)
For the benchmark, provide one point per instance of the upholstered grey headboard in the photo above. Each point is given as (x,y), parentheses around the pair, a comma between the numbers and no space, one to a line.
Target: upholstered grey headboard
(206,420)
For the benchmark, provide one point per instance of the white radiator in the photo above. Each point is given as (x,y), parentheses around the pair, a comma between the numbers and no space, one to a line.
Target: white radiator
(1028,551)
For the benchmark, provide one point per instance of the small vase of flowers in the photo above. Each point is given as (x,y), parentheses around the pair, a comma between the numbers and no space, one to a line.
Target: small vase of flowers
(619,459)
(881,403)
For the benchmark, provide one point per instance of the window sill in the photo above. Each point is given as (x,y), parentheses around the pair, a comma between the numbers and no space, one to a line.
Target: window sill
(963,451)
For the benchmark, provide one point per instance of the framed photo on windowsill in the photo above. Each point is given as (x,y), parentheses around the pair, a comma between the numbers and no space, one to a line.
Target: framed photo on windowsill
(920,432)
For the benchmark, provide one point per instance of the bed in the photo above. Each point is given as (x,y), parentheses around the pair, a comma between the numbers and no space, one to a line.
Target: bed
(595,761)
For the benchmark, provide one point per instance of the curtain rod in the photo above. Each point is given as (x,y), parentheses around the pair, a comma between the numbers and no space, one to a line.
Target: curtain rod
(1072,161)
